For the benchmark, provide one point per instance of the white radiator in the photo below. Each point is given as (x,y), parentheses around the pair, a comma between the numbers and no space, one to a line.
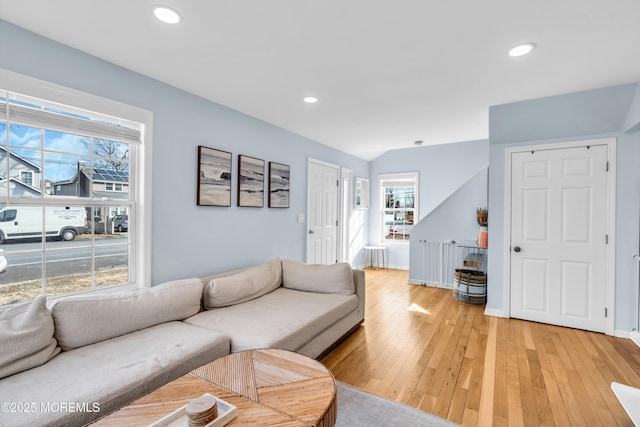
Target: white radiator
(441,258)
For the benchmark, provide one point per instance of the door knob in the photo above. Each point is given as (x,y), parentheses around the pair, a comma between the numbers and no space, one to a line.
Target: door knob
(311,231)
(517,249)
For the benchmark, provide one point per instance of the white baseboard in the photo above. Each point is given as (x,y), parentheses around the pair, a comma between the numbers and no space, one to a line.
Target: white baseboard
(398,267)
(621,334)
(391,267)
(429,284)
(494,312)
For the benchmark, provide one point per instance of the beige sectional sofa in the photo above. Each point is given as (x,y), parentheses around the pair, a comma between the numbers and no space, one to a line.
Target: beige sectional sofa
(88,355)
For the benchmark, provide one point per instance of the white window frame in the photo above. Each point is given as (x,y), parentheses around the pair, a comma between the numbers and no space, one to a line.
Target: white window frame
(383,179)
(140,183)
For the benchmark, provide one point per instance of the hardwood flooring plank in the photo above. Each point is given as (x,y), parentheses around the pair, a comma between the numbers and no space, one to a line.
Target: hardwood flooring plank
(485,414)
(545,348)
(514,398)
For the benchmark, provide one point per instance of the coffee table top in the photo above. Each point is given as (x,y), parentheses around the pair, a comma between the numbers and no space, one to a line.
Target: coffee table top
(269,387)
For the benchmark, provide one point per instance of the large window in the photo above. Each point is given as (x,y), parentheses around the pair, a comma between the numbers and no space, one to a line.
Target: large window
(56,230)
(398,199)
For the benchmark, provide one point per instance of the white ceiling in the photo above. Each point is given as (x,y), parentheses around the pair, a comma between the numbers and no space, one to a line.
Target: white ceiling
(387,72)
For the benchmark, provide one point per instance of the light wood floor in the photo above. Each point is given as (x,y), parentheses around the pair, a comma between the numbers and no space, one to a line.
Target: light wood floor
(421,347)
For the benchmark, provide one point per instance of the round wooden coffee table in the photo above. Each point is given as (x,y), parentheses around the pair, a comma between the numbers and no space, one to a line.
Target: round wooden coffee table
(269,387)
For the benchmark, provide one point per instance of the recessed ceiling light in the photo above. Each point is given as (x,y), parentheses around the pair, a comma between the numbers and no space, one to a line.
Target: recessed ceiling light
(166,14)
(522,49)
(310,99)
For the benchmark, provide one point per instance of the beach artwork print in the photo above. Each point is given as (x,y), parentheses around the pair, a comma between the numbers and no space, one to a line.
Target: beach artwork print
(279,185)
(250,182)
(214,177)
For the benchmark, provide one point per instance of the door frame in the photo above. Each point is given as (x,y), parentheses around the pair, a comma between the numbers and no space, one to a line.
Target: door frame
(311,160)
(610,261)
(345,210)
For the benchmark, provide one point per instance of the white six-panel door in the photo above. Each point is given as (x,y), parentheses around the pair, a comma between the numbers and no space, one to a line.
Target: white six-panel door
(558,236)
(322,216)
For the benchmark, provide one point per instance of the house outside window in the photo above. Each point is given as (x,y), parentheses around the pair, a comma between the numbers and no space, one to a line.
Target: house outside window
(50,156)
(398,201)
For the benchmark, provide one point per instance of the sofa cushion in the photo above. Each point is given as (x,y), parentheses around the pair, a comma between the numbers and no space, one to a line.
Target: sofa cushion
(87,319)
(244,285)
(328,279)
(110,373)
(26,336)
(284,318)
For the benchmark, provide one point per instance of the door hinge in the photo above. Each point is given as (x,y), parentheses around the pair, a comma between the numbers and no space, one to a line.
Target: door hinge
(337,183)
(336,222)
(606,239)
(606,312)
(607,166)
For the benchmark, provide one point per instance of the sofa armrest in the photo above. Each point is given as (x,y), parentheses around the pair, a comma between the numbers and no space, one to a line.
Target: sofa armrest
(359,282)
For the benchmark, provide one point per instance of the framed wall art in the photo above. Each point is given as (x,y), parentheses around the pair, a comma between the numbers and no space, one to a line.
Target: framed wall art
(250,182)
(279,176)
(214,177)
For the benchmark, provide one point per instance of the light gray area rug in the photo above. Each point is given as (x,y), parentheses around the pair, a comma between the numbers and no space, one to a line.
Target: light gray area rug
(359,408)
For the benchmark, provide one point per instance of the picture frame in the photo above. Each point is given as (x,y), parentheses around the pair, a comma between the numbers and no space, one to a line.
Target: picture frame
(214,177)
(250,182)
(279,185)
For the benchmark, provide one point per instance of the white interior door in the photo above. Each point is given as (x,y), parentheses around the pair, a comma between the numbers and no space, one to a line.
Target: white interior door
(558,236)
(322,213)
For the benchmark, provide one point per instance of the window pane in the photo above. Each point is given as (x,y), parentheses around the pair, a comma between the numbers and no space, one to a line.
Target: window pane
(22,277)
(112,262)
(22,136)
(67,175)
(68,270)
(111,183)
(67,143)
(119,218)
(111,154)
(24,172)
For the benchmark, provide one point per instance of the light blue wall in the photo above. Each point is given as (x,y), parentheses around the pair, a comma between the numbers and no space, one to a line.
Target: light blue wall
(591,114)
(189,240)
(632,123)
(442,170)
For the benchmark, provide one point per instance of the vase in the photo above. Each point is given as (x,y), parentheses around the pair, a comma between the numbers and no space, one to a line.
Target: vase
(483,237)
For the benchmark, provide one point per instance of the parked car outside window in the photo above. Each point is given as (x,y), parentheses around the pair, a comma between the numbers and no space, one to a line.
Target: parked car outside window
(121,222)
